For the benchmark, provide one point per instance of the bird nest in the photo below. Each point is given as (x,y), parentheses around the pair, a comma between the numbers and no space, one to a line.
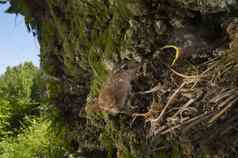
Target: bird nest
(196,101)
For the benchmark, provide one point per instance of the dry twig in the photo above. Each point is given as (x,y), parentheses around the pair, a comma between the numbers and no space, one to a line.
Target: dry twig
(168,103)
(214,118)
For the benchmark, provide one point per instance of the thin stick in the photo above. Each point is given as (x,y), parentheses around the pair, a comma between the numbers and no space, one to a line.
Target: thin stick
(177,126)
(224,93)
(154,89)
(196,122)
(169,102)
(214,118)
(187,104)
(226,101)
(208,69)
(186,76)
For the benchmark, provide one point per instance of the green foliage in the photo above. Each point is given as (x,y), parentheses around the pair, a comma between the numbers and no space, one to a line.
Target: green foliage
(36,140)
(17,82)
(3,1)
(4,117)
(26,129)
(22,7)
(18,7)
(16,89)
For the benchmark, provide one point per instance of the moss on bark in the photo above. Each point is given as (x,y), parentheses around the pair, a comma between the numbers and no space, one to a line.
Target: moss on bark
(79,40)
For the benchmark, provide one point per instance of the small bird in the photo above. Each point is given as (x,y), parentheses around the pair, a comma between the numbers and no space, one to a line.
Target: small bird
(115,91)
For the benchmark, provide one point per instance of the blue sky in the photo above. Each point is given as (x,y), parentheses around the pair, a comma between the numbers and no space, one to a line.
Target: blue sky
(17,45)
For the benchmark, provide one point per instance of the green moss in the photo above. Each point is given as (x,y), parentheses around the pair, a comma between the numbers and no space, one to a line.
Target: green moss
(76,37)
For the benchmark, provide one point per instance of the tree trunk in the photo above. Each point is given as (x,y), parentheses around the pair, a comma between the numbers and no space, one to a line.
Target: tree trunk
(82,40)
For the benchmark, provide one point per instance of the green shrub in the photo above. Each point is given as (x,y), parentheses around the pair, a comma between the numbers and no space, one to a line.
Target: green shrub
(36,140)
(25,129)
(17,102)
(4,117)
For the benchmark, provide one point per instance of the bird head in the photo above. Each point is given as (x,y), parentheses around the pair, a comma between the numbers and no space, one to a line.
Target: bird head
(129,68)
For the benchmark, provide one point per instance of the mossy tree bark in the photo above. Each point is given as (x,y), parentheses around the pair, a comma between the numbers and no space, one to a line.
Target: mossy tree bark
(78,37)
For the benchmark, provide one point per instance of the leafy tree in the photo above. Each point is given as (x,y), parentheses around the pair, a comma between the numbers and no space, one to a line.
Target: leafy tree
(16,89)
(26,130)
(4,117)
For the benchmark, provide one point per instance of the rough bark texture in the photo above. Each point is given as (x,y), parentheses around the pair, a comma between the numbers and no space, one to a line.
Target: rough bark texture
(81,39)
